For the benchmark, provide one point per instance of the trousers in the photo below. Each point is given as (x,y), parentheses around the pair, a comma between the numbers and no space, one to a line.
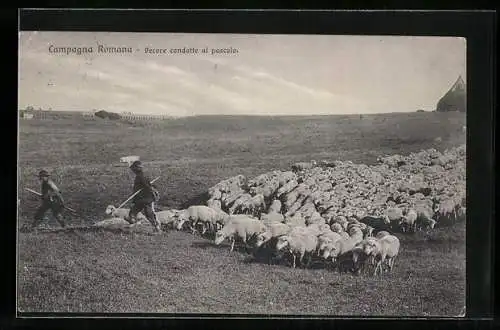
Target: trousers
(147,208)
(56,210)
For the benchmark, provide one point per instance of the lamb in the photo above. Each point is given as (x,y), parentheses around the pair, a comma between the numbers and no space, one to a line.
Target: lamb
(122,213)
(385,248)
(242,227)
(298,244)
(273,230)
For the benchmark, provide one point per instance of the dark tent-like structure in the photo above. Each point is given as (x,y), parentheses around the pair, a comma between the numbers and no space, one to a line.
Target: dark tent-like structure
(454,99)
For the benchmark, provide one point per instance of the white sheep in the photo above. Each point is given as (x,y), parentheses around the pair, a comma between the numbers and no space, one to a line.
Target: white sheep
(273,230)
(409,221)
(275,207)
(168,217)
(272,217)
(339,250)
(393,216)
(325,239)
(424,217)
(446,210)
(242,227)
(123,213)
(116,222)
(385,248)
(298,244)
(201,214)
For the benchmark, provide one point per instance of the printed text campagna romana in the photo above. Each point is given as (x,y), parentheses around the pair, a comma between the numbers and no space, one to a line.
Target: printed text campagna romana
(79,50)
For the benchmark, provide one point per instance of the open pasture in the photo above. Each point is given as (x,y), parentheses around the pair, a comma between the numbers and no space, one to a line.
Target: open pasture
(104,271)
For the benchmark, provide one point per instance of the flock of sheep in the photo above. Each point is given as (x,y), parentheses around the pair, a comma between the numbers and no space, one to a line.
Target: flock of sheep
(341,213)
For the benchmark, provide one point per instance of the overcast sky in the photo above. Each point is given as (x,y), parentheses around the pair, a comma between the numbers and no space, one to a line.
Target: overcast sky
(270,74)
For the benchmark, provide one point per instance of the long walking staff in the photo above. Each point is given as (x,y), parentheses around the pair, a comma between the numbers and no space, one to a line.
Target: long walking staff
(138,191)
(37,193)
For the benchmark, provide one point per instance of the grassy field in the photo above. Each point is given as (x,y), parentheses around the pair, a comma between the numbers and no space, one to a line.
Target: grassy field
(109,271)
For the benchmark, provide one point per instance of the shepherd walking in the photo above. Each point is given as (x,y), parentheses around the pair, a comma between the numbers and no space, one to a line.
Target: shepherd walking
(145,199)
(51,200)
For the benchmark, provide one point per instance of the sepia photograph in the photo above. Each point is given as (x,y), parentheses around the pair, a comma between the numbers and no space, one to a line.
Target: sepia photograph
(257,174)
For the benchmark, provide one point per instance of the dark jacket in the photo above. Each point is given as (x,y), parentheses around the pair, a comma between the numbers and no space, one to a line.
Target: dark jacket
(143,182)
(50,192)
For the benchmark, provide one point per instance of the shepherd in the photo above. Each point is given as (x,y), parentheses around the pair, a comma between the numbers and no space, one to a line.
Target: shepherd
(145,199)
(52,200)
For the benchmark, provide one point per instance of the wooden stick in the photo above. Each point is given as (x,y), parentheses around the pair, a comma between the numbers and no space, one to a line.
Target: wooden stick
(37,193)
(133,195)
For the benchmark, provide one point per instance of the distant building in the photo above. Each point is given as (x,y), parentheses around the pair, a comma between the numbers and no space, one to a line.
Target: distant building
(454,99)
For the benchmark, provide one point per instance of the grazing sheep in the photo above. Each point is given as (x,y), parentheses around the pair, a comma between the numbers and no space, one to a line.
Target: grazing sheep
(325,239)
(168,218)
(445,210)
(272,217)
(424,217)
(201,214)
(298,244)
(359,258)
(239,202)
(385,248)
(254,206)
(338,251)
(394,216)
(242,227)
(273,230)
(409,221)
(122,213)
